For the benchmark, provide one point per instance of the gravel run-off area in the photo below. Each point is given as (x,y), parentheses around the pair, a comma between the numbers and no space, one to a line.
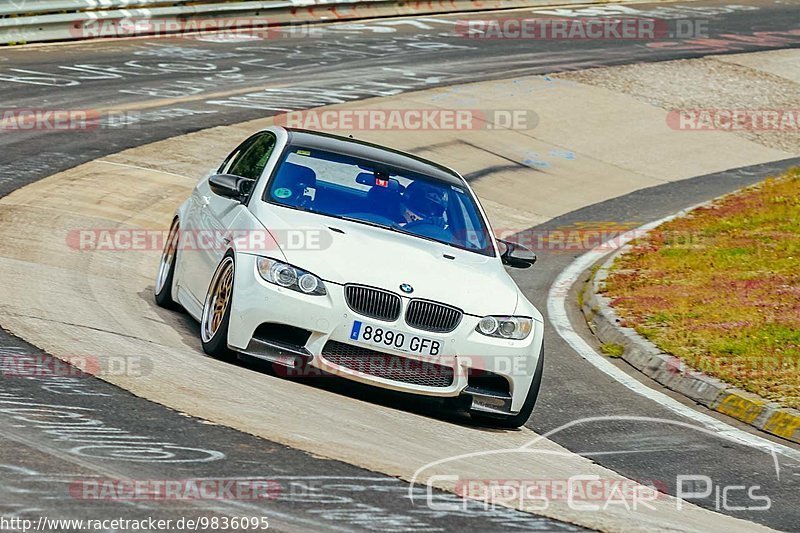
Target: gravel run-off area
(719,82)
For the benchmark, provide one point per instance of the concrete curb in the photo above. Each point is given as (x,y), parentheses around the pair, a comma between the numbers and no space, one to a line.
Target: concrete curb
(673,373)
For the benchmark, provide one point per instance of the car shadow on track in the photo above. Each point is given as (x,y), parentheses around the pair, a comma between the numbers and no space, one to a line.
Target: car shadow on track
(449,410)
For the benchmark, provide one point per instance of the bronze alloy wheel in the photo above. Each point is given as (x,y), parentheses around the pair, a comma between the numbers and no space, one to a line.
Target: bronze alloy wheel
(218,299)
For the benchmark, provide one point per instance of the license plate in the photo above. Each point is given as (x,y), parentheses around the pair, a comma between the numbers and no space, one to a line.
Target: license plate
(396,340)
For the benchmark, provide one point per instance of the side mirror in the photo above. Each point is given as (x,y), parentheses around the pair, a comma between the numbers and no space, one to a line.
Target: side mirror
(230,186)
(516,255)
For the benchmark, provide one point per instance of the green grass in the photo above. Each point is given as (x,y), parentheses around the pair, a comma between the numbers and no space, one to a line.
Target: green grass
(612,350)
(720,288)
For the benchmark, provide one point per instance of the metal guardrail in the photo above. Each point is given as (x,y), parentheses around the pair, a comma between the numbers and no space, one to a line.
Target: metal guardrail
(20,8)
(29,21)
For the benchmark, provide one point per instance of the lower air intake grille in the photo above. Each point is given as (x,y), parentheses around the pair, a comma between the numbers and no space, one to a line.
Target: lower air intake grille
(374,303)
(388,366)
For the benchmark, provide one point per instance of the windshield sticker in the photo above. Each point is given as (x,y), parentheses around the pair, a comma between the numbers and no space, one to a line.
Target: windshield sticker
(311,193)
(282,193)
(303,152)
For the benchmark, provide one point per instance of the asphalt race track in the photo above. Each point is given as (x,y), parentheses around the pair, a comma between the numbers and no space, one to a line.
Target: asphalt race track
(160,88)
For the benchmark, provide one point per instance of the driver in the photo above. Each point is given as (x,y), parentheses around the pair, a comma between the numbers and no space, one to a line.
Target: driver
(423,202)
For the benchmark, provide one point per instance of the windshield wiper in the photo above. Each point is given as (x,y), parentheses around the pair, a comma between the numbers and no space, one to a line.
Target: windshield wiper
(397,229)
(362,221)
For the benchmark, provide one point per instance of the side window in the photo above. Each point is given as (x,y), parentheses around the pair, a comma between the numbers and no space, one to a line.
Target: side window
(236,154)
(252,159)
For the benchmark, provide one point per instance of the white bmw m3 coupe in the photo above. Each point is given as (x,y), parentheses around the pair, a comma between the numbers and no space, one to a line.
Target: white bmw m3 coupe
(322,253)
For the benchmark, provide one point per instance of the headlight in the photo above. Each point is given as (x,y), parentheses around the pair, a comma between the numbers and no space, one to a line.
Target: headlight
(290,277)
(505,327)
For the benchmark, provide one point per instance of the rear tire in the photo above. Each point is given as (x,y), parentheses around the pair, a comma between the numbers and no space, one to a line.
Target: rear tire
(518,420)
(217,311)
(166,269)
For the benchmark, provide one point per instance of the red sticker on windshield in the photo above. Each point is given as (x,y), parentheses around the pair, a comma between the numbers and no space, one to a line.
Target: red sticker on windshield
(381,183)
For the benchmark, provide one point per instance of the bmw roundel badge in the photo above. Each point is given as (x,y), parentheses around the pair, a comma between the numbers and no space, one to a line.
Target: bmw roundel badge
(406,288)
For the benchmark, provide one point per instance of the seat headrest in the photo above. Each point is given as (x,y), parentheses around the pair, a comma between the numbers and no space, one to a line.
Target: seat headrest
(292,172)
(295,178)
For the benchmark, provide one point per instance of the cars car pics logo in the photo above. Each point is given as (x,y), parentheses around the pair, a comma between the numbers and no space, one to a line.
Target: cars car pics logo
(406,288)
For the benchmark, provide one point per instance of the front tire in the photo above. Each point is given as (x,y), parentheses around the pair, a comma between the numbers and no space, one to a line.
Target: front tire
(166,269)
(217,311)
(518,420)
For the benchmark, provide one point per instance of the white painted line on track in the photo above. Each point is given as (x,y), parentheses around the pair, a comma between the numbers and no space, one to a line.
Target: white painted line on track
(557,314)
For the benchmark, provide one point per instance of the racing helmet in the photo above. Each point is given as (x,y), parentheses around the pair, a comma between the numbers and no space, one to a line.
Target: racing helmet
(424,201)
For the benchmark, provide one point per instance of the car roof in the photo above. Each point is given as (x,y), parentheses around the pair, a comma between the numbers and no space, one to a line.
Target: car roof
(372,152)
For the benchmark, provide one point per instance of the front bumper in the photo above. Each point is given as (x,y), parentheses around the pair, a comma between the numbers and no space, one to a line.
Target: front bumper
(464,352)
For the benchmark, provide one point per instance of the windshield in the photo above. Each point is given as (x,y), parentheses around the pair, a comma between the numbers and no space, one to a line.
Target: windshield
(364,191)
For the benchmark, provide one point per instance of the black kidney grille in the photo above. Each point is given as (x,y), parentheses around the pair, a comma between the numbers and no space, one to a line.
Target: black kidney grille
(374,303)
(386,366)
(432,316)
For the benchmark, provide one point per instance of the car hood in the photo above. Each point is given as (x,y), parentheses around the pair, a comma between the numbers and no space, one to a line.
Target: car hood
(350,252)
